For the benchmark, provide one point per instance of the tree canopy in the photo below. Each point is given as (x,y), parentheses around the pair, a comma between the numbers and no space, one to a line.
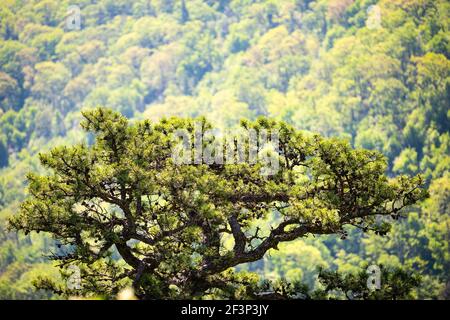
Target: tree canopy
(375,73)
(125,194)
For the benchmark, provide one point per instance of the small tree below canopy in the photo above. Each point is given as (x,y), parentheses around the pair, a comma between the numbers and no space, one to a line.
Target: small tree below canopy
(126,214)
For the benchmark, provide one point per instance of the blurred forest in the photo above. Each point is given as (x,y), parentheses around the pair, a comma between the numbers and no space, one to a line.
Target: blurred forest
(374,72)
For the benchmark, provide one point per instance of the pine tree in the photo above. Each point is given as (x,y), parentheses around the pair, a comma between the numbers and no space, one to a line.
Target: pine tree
(126,195)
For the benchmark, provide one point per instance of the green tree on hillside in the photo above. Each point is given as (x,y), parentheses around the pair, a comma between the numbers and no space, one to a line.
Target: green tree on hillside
(126,214)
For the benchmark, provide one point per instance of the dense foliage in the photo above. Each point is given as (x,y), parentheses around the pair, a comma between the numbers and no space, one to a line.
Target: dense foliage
(316,65)
(169,221)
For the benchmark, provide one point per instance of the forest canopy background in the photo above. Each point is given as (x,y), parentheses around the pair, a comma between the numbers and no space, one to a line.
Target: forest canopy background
(379,78)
